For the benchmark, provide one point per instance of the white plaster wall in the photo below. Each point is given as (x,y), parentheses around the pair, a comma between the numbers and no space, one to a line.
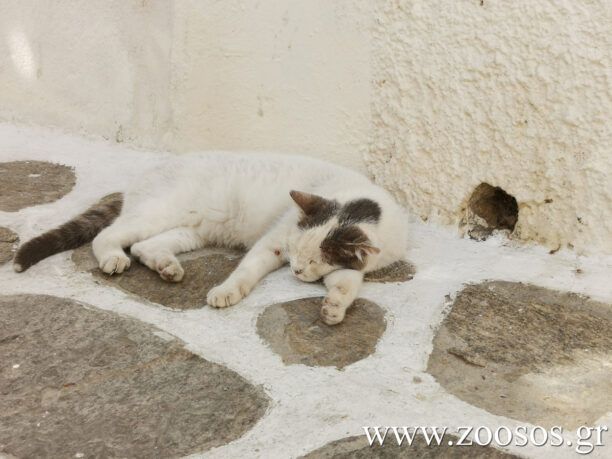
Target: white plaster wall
(431,97)
(517,94)
(186,75)
(288,75)
(92,66)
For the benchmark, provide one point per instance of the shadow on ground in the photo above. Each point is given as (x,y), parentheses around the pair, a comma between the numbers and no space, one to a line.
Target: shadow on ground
(204,269)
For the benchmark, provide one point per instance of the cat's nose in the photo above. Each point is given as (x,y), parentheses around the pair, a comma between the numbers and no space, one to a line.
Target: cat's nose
(297,272)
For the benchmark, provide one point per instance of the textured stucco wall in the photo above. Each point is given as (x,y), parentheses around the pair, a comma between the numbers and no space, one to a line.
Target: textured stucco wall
(516,94)
(288,75)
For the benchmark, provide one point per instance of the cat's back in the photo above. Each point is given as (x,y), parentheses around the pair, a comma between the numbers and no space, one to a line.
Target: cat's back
(248,191)
(262,166)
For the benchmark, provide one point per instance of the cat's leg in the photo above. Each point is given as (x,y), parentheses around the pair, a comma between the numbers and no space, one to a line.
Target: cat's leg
(158,252)
(108,245)
(342,288)
(265,256)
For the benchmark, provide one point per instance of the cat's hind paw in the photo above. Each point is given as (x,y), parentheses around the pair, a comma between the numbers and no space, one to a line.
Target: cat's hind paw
(115,264)
(170,270)
(226,294)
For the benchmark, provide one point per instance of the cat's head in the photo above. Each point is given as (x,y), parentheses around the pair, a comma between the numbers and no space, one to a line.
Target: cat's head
(329,235)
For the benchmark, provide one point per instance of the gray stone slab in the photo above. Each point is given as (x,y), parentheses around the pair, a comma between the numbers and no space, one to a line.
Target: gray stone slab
(204,269)
(357,447)
(8,244)
(30,183)
(400,271)
(77,380)
(527,353)
(294,331)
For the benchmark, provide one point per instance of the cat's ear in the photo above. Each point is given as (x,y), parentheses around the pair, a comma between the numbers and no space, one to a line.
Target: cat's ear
(309,203)
(363,250)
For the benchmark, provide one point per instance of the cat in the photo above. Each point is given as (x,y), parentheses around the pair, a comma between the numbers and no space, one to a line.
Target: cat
(325,220)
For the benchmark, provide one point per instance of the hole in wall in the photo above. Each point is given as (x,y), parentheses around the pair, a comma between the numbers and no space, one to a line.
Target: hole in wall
(490,208)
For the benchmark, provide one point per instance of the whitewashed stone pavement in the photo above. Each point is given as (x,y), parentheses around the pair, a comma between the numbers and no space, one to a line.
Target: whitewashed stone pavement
(309,406)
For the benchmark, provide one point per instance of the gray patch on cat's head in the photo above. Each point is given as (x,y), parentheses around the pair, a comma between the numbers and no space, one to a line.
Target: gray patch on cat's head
(359,211)
(347,246)
(316,210)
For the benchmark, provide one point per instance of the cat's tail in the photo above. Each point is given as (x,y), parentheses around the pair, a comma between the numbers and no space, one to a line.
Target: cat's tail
(72,234)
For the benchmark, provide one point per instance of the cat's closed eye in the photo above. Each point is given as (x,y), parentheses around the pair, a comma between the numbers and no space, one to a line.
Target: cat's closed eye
(311,262)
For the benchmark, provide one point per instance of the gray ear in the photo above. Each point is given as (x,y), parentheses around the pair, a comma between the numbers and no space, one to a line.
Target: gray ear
(363,250)
(309,203)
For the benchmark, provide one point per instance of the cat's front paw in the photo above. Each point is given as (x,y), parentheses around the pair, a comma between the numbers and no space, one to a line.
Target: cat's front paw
(332,313)
(227,294)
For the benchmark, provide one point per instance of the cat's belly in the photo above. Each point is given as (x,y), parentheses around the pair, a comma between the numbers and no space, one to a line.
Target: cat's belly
(236,229)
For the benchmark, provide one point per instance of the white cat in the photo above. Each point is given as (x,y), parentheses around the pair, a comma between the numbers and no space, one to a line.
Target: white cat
(338,227)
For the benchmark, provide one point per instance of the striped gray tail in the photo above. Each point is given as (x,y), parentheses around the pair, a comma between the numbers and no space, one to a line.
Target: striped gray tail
(72,234)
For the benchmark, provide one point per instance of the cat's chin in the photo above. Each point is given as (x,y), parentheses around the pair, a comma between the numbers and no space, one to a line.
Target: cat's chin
(307,278)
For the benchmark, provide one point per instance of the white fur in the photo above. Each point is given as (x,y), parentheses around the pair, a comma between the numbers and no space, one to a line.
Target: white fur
(232,200)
